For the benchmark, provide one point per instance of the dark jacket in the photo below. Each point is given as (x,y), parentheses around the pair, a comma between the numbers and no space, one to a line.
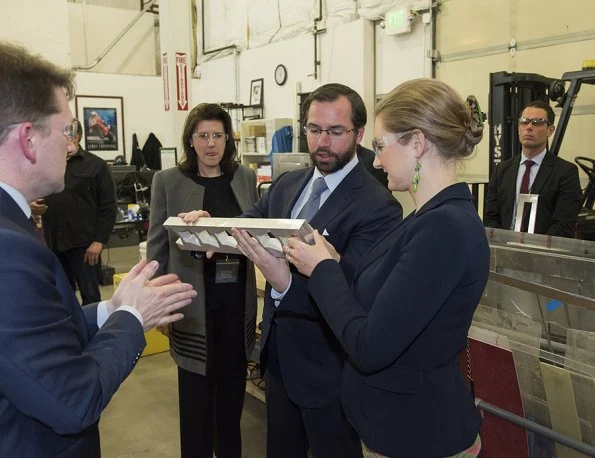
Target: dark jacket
(59,371)
(403,323)
(173,192)
(151,152)
(355,214)
(86,210)
(559,190)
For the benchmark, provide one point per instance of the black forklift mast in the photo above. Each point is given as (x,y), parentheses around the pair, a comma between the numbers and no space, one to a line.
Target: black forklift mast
(576,79)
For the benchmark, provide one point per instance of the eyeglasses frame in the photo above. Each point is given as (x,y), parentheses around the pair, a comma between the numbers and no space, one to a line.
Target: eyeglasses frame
(306,128)
(206,137)
(537,122)
(386,141)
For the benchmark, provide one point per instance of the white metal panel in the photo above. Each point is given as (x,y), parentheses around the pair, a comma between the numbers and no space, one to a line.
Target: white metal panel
(374,9)
(402,57)
(225,23)
(296,17)
(340,11)
(466,29)
(134,54)
(263,21)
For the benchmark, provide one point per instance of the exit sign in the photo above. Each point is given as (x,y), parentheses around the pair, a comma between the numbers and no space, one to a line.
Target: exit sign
(397,21)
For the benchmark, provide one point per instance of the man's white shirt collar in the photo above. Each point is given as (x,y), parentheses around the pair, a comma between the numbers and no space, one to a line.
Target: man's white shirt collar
(333,180)
(537,159)
(18,198)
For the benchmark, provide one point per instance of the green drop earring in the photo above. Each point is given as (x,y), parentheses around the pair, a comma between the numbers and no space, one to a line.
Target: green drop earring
(416,176)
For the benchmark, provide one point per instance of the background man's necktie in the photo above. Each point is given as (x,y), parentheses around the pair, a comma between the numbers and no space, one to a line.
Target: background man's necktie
(526,176)
(525,190)
(313,203)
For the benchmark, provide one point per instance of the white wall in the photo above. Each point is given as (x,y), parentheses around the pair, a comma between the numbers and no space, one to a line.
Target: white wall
(356,52)
(402,57)
(343,52)
(43,26)
(93,28)
(40,25)
(463,26)
(142,100)
(552,39)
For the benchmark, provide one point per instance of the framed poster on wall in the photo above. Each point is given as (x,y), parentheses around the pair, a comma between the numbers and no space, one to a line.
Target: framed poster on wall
(169,157)
(102,118)
(256,92)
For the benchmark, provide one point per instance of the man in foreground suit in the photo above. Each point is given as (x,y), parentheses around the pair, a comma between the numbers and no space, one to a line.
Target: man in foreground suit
(301,359)
(60,362)
(554,179)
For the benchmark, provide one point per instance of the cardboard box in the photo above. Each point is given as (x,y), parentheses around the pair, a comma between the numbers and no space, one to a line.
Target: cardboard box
(156,342)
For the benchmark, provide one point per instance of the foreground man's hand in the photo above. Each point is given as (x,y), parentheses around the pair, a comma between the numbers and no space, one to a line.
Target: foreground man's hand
(156,300)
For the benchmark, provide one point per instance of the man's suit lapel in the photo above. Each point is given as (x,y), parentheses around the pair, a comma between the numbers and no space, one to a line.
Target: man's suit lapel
(340,198)
(509,182)
(511,178)
(543,174)
(10,209)
(294,189)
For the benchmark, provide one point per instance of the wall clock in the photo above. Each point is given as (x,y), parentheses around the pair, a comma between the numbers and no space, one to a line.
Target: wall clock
(280,74)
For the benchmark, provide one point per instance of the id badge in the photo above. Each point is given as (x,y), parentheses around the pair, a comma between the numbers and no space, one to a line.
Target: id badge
(227,270)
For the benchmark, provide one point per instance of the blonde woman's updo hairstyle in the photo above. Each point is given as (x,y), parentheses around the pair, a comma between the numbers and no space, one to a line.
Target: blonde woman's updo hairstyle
(434,108)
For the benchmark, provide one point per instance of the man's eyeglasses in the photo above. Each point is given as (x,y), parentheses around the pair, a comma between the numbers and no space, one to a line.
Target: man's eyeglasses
(535,121)
(333,132)
(215,136)
(69,130)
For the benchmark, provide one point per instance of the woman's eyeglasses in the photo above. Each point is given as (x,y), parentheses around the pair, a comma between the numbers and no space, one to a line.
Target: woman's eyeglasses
(204,137)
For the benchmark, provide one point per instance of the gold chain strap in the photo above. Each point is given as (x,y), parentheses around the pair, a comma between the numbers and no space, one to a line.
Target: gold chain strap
(469,373)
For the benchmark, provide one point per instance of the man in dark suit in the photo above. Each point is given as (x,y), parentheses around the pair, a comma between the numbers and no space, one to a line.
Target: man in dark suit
(535,171)
(301,359)
(60,362)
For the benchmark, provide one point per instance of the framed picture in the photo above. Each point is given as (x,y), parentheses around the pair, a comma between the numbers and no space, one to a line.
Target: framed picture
(169,157)
(103,125)
(256,92)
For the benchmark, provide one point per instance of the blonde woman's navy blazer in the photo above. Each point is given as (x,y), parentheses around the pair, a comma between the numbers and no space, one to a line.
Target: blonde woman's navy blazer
(403,323)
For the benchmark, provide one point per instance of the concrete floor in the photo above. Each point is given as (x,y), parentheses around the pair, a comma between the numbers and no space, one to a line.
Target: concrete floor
(142,418)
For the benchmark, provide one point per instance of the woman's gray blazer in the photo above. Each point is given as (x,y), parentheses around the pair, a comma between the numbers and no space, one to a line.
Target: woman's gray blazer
(173,192)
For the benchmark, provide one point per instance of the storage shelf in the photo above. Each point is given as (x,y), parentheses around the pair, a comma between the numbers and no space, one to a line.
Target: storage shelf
(259,129)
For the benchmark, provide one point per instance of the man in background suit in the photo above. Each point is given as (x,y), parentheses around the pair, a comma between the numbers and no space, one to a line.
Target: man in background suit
(60,362)
(301,359)
(555,180)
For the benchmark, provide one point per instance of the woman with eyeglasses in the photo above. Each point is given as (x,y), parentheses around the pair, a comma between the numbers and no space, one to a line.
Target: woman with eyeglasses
(404,319)
(212,343)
